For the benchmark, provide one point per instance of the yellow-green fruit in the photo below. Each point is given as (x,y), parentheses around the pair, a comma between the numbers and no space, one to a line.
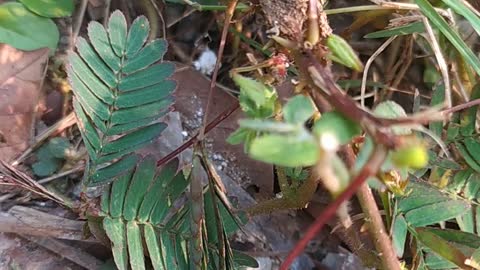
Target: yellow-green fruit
(414,156)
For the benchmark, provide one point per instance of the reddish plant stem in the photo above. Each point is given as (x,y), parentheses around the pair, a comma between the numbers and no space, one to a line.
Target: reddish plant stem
(372,166)
(228,18)
(224,115)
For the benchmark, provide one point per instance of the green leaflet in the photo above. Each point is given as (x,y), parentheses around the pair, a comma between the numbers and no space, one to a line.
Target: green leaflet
(115,230)
(435,213)
(416,27)
(137,35)
(399,237)
(131,220)
(298,110)
(285,150)
(138,187)
(120,89)
(441,247)
(135,247)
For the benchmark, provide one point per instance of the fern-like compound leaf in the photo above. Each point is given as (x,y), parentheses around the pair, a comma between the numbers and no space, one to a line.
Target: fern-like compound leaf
(122,88)
(149,212)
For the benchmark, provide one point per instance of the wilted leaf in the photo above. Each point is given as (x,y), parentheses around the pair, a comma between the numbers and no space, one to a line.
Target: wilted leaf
(25,30)
(20,81)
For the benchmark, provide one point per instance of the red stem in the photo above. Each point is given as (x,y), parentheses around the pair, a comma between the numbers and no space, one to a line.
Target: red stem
(375,161)
(225,114)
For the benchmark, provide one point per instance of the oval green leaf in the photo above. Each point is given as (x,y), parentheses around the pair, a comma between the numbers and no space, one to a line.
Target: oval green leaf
(24,30)
(288,150)
(298,110)
(50,8)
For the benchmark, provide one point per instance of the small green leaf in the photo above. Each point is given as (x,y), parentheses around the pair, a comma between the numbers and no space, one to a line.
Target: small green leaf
(154,247)
(150,54)
(89,79)
(118,192)
(420,194)
(58,146)
(100,41)
(287,150)
(108,174)
(135,114)
(457,237)
(24,30)
(391,110)
(131,140)
(147,95)
(238,136)
(244,260)
(253,89)
(458,182)
(435,213)
(137,35)
(157,189)
(146,77)
(135,246)
(438,97)
(400,229)
(268,126)
(335,123)
(466,221)
(117,31)
(469,116)
(411,28)
(441,247)
(138,187)
(298,110)
(343,53)
(472,187)
(46,167)
(465,154)
(115,230)
(94,62)
(50,8)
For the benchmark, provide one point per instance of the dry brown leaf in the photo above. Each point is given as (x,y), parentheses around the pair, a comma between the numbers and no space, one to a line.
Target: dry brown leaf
(192,94)
(20,88)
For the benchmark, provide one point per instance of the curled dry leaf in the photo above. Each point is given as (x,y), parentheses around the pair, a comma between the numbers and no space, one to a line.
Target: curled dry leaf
(20,88)
(192,95)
